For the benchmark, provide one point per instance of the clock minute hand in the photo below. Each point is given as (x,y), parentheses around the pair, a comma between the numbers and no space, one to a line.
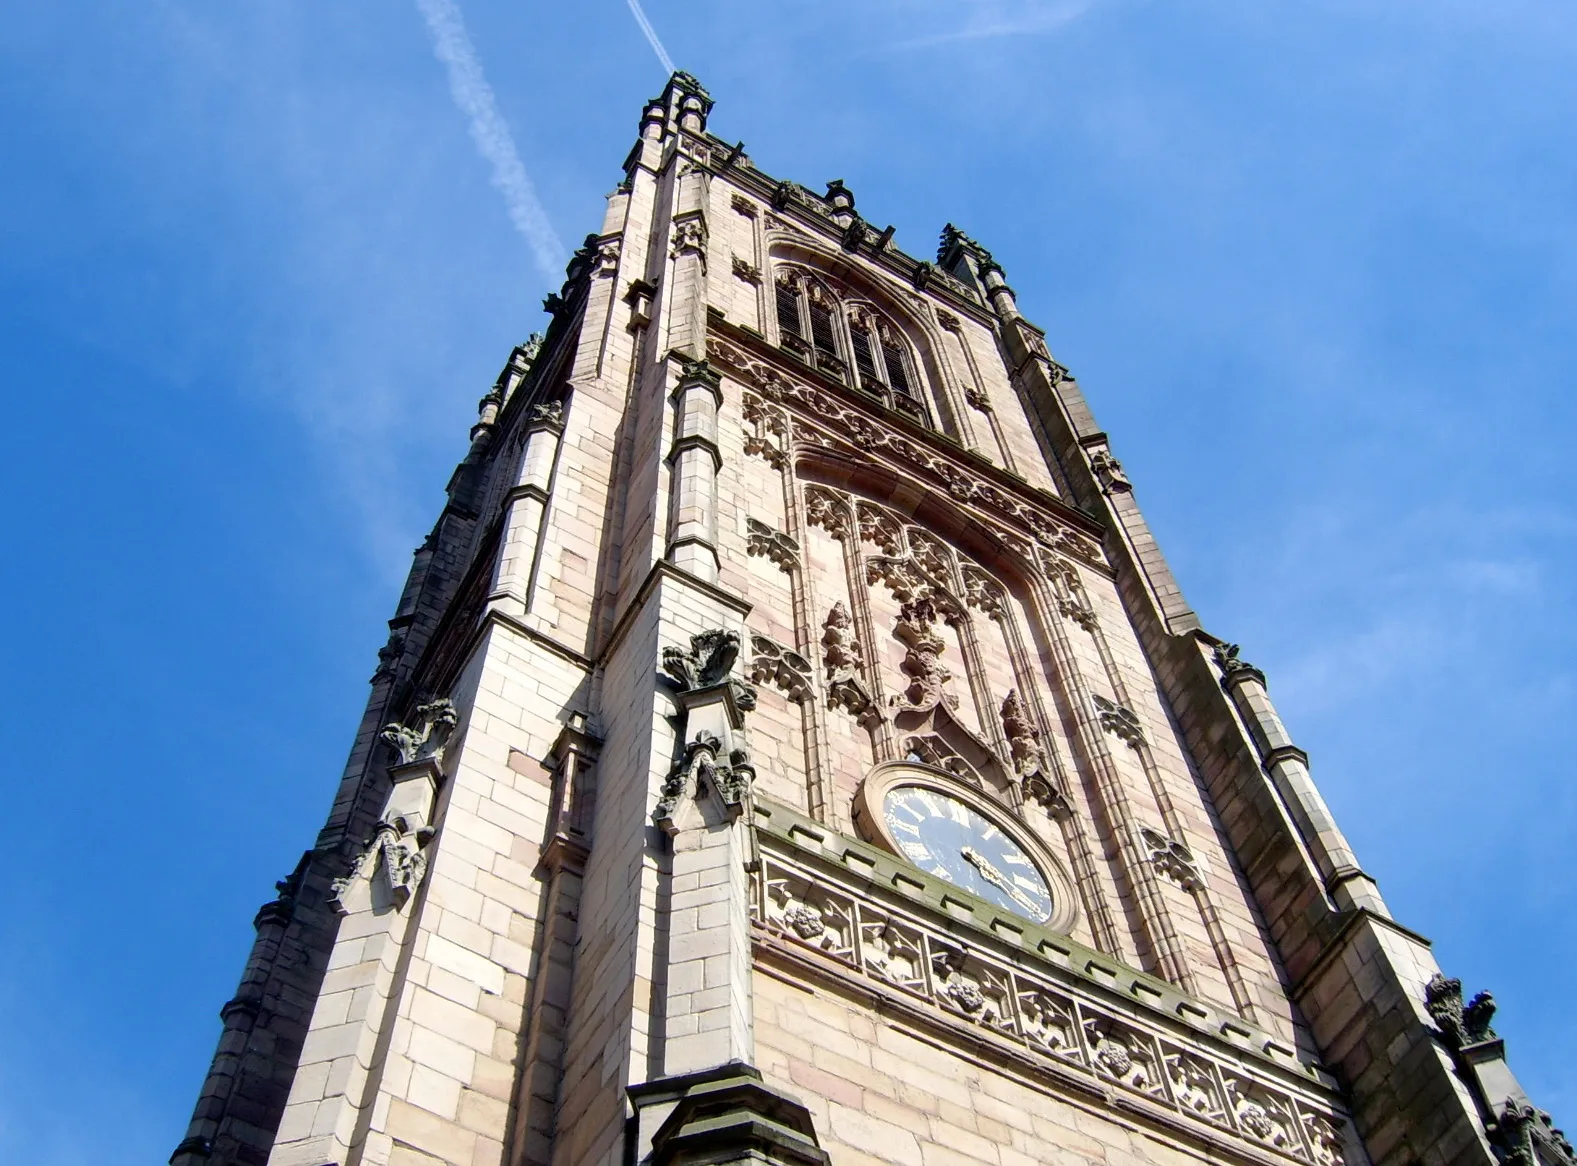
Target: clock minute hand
(992,875)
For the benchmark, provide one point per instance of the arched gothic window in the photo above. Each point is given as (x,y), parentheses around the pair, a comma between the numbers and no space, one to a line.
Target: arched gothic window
(851,343)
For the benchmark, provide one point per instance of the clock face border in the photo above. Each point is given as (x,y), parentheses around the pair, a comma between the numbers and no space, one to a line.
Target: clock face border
(871,823)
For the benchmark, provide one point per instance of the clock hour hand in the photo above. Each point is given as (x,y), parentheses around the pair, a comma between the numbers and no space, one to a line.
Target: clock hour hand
(995,877)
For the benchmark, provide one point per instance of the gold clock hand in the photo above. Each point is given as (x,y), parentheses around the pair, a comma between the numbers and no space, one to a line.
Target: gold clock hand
(992,875)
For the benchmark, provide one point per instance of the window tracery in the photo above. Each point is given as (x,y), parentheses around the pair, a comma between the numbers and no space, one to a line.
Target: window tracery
(848,340)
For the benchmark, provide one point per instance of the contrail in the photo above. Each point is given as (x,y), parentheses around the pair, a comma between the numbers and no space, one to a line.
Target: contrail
(651,35)
(452,46)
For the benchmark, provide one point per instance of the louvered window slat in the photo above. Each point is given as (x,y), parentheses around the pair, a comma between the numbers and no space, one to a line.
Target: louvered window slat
(788,312)
(864,359)
(897,373)
(821,330)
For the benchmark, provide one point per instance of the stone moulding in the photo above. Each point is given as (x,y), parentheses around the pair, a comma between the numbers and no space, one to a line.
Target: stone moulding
(850,915)
(830,417)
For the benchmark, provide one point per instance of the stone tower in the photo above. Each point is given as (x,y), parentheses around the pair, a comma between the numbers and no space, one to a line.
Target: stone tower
(792,747)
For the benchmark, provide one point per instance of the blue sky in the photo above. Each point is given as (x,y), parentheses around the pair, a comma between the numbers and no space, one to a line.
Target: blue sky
(1314,265)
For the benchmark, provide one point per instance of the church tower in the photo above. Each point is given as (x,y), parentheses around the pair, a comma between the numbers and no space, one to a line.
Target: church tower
(791,747)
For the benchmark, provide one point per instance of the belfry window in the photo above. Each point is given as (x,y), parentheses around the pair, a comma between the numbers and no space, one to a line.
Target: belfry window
(842,339)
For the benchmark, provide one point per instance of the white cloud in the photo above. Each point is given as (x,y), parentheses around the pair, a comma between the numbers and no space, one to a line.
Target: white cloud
(651,35)
(452,46)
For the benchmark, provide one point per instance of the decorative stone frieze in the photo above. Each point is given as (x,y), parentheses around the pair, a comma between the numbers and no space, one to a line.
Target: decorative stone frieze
(833,416)
(982,592)
(966,992)
(880,529)
(827,510)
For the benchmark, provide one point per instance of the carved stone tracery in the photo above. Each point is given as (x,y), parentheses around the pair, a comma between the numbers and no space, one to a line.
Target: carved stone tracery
(774,664)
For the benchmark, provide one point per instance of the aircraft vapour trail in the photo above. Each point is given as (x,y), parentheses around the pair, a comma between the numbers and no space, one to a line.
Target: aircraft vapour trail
(651,35)
(474,96)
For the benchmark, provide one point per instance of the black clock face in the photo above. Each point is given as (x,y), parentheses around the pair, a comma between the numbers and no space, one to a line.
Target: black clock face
(949,839)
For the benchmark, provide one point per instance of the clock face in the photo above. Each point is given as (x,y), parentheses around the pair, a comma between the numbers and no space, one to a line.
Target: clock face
(944,837)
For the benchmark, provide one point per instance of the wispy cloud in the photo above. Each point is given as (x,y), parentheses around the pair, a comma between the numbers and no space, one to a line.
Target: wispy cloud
(651,35)
(452,46)
(990,19)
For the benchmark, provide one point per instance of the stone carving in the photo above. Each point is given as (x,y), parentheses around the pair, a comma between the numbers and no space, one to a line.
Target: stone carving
(608,252)
(1172,858)
(928,679)
(389,656)
(893,953)
(697,771)
(743,205)
(546,414)
(689,238)
(982,592)
(746,270)
(1047,1023)
(931,556)
(762,540)
(1227,659)
(977,399)
(1071,609)
(831,414)
(426,735)
(783,667)
(901,577)
(1526,1136)
(1325,1139)
(1265,1116)
(1023,737)
(766,437)
(1036,782)
(815,917)
(708,661)
(844,661)
(880,529)
(1123,1054)
(1459,1024)
(1016,1003)
(397,848)
(1194,1086)
(948,321)
(1119,720)
(841,652)
(930,749)
(1109,472)
(971,988)
(829,511)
